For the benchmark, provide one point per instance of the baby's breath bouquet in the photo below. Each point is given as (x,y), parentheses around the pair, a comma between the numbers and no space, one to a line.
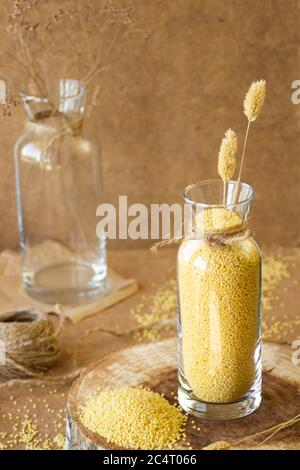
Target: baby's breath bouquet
(66,39)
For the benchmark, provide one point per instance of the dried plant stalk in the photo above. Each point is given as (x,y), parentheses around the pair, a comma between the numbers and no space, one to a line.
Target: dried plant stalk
(254,100)
(253,104)
(219,445)
(224,445)
(53,40)
(226,159)
(273,430)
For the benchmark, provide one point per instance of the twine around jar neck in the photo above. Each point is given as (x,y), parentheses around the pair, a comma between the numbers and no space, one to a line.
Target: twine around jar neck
(56,126)
(225,238)
(59,123)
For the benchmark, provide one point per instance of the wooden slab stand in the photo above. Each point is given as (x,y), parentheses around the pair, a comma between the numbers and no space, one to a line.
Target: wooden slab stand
(154,365)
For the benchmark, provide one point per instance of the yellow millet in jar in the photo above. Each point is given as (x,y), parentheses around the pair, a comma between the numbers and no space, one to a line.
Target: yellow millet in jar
(219,295)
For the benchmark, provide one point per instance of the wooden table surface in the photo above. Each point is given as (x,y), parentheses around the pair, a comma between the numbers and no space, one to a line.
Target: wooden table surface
(32,415)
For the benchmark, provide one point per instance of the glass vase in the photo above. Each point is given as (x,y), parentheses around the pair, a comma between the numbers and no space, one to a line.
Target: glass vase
(219,305)
(58,187)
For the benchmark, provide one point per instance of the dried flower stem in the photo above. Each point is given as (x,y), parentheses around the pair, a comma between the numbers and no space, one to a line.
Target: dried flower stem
(47,39)
(237,187)
(275,429)
(226,159)
(285,425)
(253,104)
(224,445)
(224,193)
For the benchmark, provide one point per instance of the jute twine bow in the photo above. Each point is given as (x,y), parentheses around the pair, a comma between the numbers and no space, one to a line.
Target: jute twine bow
(225,238)
(58,132)
(29,343)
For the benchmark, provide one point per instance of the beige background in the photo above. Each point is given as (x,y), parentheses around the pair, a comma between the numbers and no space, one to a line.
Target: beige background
(177,85)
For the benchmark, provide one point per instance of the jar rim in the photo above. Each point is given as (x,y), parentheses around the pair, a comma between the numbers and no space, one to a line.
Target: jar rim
(70,98)
(203,183)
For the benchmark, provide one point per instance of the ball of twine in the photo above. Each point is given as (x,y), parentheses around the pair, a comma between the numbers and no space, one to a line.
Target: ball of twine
(29,342)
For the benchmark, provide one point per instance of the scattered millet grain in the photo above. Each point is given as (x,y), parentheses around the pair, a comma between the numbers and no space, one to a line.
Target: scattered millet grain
(160,307)
(133,418)
(219,291)
(25,431)
(274,270)
(59,441)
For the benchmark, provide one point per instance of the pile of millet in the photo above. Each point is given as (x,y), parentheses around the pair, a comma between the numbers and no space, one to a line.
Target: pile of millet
(134,418)
(219,291)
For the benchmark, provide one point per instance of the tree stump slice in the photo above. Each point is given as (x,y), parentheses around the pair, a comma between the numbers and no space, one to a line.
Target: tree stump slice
(154,366)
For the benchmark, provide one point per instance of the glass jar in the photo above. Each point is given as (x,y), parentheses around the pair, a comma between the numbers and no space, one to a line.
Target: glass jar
(219,305)
(58,186)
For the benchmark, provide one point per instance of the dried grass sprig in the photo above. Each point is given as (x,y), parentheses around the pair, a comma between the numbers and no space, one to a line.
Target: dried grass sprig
(74,40)
(227,159)
(273,430)
(224,445)
(218,445)
(253,104)
(254,100)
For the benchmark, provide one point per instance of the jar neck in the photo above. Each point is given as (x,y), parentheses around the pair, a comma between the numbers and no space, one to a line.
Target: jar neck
(48,123)
(218,220)
(207,214)
(66,111)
